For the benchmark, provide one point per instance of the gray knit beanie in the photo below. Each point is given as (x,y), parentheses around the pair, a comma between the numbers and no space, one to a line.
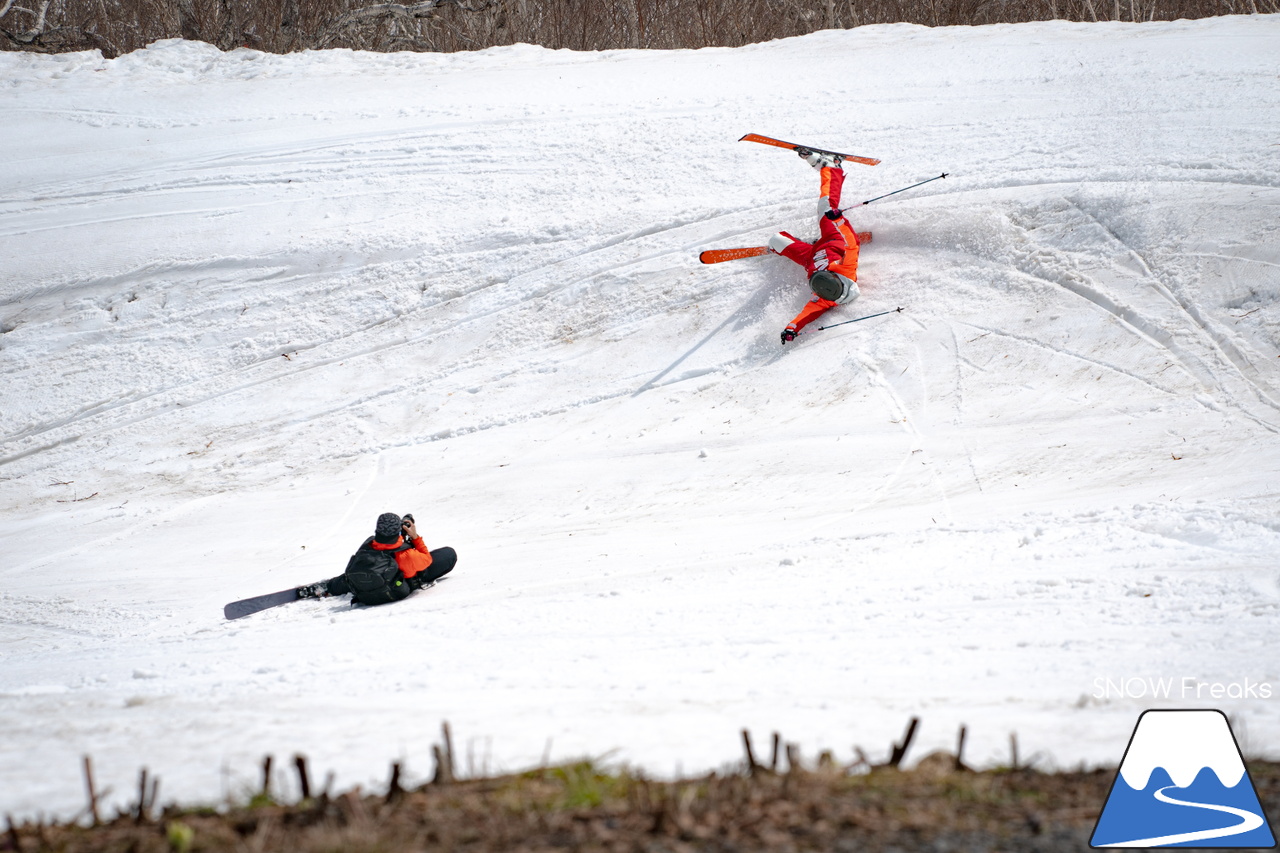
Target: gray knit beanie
(388,529)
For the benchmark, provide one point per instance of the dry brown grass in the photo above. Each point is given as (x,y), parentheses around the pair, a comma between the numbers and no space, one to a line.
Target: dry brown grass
(280,26)
(579,807)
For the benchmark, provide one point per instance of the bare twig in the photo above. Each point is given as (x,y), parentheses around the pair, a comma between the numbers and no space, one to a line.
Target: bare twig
(141,814)
(394,791)
(443,776)
(304,780)
(93,796)
(266,777)
(964,731)
(752,766)
(793,758)
(448,748)
(900,749)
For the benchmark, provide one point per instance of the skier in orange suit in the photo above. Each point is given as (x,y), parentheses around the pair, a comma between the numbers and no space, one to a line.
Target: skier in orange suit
(831,262)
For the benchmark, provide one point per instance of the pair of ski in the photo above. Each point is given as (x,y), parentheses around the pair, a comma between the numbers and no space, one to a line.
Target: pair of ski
(717,256)
(250,606)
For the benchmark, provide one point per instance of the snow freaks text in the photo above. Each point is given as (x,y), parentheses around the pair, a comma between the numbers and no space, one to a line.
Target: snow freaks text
(1185,687)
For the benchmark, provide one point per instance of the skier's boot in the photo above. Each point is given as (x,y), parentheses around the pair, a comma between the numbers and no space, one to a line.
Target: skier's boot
(819,160)
(315,590)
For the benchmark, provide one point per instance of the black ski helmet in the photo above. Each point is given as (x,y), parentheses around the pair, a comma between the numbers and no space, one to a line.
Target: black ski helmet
(828,285)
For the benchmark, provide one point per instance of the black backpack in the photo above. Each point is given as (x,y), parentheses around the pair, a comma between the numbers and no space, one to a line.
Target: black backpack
(374,577)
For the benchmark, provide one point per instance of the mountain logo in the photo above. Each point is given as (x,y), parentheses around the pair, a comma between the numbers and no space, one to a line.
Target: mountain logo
(1182,783)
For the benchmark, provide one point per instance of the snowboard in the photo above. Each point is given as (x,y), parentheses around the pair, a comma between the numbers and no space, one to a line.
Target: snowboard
(806,149)
(719,256)
(250,606)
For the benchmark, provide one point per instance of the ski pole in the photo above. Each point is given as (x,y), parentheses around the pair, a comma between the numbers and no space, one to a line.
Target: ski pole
(904,189)
(868,317)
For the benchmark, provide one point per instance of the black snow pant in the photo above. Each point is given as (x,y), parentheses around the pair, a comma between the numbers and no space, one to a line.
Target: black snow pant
(442,562)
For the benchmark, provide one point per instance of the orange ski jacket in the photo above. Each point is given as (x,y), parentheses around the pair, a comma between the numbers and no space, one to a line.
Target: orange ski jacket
(411,560)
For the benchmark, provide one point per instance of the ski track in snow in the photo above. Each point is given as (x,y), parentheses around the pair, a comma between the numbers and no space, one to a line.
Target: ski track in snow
(249,302)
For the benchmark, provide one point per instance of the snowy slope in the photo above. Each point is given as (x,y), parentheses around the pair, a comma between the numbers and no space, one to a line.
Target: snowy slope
(248,302)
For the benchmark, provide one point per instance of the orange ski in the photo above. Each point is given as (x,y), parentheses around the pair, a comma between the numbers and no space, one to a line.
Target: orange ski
(778,143)
(716,256)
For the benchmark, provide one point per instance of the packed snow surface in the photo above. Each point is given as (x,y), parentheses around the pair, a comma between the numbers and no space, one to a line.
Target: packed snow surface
(249,302)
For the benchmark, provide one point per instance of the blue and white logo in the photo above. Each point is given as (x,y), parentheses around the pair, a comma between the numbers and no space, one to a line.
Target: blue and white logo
(1182,783)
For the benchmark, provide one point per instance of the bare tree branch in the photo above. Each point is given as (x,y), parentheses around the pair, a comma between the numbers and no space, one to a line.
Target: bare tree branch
(393,12)
(37,30)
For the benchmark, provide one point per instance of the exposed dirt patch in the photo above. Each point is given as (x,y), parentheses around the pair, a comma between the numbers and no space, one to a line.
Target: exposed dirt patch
(582,808)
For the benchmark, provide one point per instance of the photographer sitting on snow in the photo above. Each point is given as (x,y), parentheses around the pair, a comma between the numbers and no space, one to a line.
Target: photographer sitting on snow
(390,565)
